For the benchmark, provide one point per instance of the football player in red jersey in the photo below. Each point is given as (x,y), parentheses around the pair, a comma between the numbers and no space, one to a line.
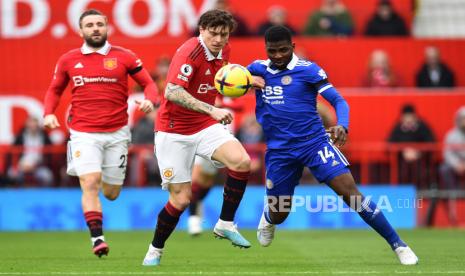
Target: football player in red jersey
(99,135)
(189,124)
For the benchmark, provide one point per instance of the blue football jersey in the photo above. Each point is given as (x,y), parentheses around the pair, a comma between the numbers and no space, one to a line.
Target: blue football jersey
(286,107)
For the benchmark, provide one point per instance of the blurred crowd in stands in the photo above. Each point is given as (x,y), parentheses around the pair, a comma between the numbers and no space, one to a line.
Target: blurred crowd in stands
(333,19)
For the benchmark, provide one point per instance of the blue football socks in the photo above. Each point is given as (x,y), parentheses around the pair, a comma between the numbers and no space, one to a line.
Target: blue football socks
(370,213)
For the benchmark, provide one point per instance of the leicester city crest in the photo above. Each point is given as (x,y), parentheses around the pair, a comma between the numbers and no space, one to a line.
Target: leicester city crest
(269,184)
(286,80)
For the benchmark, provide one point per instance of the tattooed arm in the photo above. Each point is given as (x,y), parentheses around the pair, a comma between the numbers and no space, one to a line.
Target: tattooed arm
(178,95)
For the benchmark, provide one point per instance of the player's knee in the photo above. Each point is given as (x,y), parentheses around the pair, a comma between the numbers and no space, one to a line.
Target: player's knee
(344,184)
(241,163)
(181,203)
(181,199)
(111,194)
(90,185)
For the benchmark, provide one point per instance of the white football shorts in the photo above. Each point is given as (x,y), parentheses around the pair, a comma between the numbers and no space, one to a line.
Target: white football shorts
(105,152)
(176,152)
(207,165)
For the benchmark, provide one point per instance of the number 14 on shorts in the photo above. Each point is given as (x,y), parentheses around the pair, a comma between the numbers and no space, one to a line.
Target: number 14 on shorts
(325,154)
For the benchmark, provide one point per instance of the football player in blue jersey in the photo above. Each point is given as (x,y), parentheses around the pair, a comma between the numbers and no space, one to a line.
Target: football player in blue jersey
(296,138)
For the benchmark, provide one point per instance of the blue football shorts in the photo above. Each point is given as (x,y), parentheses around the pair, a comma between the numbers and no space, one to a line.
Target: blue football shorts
(284,167)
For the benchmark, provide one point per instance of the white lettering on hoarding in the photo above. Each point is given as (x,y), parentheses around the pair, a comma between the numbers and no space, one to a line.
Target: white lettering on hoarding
(178,16)
(122,13)
(34,108)
(40,16)
(31,105)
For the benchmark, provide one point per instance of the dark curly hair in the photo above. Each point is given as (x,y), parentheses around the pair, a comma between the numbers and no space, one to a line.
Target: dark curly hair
(278,33)
(217,18)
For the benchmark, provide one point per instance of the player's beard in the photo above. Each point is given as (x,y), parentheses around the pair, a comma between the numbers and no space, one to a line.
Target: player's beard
(96,43)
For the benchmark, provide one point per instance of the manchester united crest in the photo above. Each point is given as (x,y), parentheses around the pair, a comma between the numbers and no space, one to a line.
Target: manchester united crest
(110,63)
(168,173)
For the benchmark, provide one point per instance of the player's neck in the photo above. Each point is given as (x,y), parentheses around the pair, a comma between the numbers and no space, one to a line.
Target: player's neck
(94,49)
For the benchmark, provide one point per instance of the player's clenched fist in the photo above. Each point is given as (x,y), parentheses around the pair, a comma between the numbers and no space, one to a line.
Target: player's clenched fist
(51,121)
(145,105)
(221,115)
(338,135)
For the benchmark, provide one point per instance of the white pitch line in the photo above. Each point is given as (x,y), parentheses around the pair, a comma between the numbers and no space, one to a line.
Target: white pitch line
(461,272)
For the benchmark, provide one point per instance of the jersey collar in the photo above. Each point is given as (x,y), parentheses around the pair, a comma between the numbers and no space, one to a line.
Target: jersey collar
(85,50)
(289,66)
(293,62)
(207,52)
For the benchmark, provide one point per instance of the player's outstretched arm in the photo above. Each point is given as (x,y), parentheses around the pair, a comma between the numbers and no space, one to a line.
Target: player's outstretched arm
(178,95)
(53,95)
(150,91)
(258,82)
(338,132)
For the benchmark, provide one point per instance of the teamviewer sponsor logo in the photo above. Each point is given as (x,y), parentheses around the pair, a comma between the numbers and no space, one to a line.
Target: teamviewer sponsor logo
(204,87)
(80,80)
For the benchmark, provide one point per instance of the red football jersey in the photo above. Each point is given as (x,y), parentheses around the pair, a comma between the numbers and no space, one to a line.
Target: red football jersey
(99,87)
(192,67)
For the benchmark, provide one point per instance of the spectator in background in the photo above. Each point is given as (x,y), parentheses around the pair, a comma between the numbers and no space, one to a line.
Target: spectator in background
(33,164)
(242,29)
(158,75)
(454,156)
(433,72)
(453,167)
(380,73)
(331,19)
(160,72)
(277,15)
(411,129)
(386,22)
(143,139)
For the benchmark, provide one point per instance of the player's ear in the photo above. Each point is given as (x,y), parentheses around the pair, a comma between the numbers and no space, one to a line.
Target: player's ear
(80,33)
(293,45)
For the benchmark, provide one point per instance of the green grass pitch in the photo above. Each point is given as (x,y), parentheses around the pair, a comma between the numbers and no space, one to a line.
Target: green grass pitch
(312,252)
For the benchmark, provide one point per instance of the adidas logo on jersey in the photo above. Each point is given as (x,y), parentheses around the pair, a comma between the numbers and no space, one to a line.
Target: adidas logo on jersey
(79,65)
(335,163)
(208,72)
